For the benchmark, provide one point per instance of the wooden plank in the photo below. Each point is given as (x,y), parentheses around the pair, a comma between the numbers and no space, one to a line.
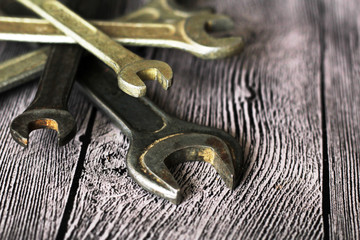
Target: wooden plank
(34,182)
(268,97)
(342,101)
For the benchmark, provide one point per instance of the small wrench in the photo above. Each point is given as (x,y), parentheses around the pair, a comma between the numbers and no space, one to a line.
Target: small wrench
(157,140)
(131,69)
(49,108)
(161,23)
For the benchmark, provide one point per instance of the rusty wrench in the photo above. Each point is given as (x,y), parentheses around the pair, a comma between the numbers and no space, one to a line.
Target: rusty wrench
(49,107)
(131,69)
(157,140)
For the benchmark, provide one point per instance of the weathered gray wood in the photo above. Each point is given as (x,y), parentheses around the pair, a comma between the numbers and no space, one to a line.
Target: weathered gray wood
(34,182)
(342,95)
(268,97)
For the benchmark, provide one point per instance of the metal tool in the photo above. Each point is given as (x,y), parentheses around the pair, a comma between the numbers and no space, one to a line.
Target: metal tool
(131,69)
(49,108)
(181,36)
(13,74)
(160,23)
(157,140)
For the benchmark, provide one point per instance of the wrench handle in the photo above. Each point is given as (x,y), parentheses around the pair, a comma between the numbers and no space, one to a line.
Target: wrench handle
(40,30)
(22,69)
(130,114)
(89,37)
(58,77)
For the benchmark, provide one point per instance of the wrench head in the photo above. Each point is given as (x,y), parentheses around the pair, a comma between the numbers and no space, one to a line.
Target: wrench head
(149,167)
(131,78)
(59,120)
(162,11)
(196,31)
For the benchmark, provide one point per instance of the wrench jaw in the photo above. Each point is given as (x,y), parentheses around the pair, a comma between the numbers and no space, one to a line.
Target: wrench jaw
(131,78)
(58,120)
(149,168)
(173,7)
(162,11)
(205,46)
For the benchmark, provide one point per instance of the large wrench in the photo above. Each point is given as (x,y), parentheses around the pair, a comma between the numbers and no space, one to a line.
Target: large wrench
(131,69)
(188,34)
(157,140)
(160,23)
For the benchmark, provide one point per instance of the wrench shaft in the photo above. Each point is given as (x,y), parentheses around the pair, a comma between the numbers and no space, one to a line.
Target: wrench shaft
(142,117)
(95,41)
(57,79)
(38,30)
(22,69)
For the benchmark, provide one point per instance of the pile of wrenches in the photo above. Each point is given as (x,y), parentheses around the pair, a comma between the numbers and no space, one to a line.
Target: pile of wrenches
(157,140)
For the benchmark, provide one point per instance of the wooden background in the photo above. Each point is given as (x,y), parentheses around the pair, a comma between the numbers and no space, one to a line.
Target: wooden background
(291,99)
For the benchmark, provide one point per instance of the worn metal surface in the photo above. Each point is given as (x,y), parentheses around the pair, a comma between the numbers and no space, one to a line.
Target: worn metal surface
(49,108)
(156,24)
(131,69)
(22,69)
(158,140)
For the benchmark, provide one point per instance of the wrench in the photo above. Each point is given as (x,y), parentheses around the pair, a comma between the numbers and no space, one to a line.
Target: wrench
(187,34)
(49,108)
(131,69)
(157,140)
(13,74)
(160,23)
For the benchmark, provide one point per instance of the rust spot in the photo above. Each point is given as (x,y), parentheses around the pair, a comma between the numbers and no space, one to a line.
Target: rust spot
(218,145)
(44,123)
(207,155)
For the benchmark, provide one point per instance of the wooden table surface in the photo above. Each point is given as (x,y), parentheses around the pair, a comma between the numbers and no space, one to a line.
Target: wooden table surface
(291,99)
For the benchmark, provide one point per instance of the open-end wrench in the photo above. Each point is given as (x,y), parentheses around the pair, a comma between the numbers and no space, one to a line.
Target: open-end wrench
(131,69)
(49,107)
(158,140)
(161,23)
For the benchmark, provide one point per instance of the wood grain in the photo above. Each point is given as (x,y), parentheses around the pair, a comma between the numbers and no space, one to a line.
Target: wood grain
(268,98)
(34,182)
(291,99)
(342,95)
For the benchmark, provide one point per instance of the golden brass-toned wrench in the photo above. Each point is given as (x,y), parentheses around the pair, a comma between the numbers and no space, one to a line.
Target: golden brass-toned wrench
(131,69)
(160,23)
(188,34)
